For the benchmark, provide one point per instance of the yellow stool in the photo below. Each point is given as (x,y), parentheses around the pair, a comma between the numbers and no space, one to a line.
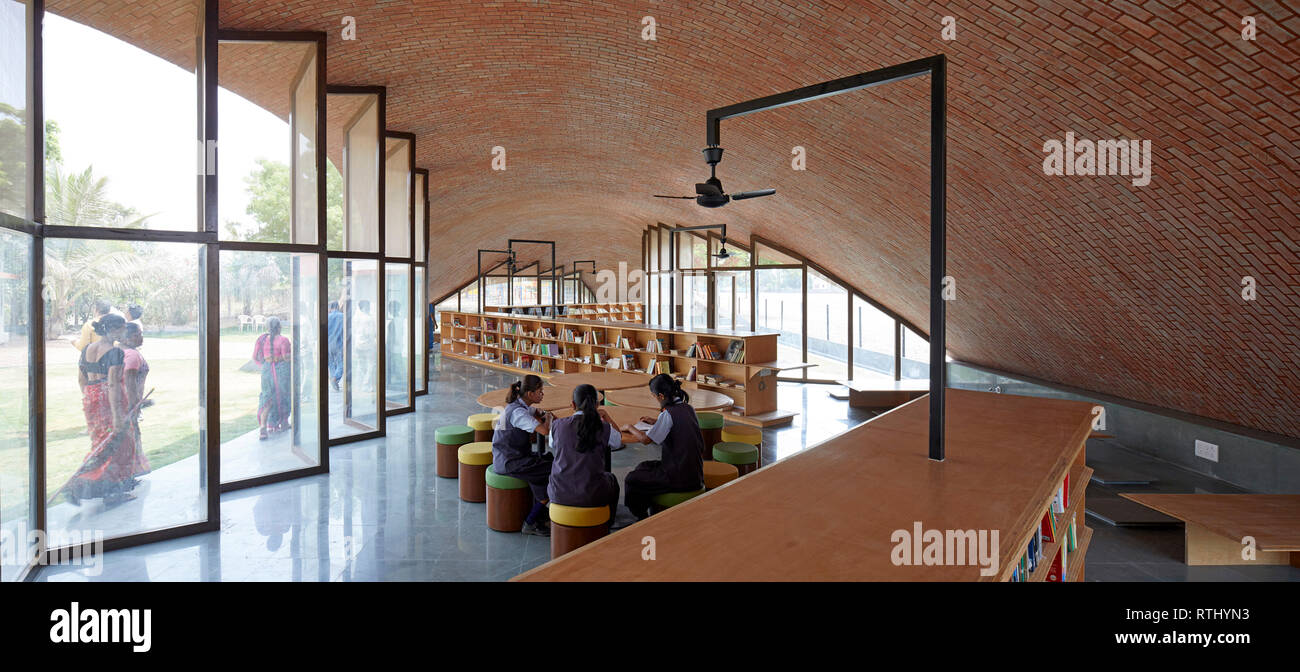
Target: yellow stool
(474,460)
(745,434)
(482,424)
(717,473)
(573,527)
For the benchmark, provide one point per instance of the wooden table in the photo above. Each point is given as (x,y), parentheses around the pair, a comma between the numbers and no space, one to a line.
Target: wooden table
(701,400)
(1214,526)
(554,397)
(872,393)
(621,415)
(830,513)
(602,380)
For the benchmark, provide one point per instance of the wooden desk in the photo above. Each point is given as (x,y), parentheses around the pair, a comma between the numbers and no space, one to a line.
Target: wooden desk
(553,398)
(602,380)
(830,512)
(1216,524)
(621,415)
(884,393)
(701,400)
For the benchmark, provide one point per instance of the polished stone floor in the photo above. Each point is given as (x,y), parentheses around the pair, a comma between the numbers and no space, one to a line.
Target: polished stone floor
(382,515)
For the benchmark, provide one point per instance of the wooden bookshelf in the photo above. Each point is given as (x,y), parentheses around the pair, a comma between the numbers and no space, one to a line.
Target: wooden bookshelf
(617,312)
(552,347)
(832,512)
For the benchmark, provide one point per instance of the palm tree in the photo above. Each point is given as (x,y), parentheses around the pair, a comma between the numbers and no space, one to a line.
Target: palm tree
(78,271)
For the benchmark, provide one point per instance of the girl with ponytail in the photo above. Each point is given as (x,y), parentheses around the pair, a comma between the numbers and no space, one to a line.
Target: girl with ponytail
(677,430)
(582,443)
(512,447)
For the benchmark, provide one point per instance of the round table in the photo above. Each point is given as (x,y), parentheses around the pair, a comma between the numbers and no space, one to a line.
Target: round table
(603,380)
(621,415)
(554,398)
(701,400)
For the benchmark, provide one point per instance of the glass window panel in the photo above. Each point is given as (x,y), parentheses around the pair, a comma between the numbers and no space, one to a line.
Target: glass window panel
(767,255)
(873,342)
(269,363)
(353,347)
(733,300)
(916,355)
(653,253)
(652,298)
(397,198)
(421,206)
(397,325)
(361,148)
(423,330)
(469,298)
(496,291)
(105,441)
(341,111)
(16,515)
(121,123)
(266,189)
(525,293)
(699,252)
(547,286)
(303,120)
(13,108)
(738,257)
(695,311)
(665,250)
(828,328)
(780,309)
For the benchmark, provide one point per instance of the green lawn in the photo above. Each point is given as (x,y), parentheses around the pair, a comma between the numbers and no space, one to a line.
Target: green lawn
(169,428)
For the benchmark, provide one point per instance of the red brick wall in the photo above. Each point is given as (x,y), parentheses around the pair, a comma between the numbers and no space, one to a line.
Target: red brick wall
(1087,281)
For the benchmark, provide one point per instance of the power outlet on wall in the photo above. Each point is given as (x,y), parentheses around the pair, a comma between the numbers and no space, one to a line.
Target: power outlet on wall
(1209,451)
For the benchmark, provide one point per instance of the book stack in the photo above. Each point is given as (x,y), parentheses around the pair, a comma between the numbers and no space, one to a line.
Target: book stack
(629,362)
(736,351)
(663,366)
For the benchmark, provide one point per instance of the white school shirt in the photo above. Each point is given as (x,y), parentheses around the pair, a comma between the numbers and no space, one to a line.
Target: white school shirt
(659,431)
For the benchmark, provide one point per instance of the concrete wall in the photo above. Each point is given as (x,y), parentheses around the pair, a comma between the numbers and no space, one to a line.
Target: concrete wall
(1253,460)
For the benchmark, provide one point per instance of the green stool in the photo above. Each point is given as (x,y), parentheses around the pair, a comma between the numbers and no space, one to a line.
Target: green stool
(711,428)
(449,440)
(508,502)
(743,455)
(670,499)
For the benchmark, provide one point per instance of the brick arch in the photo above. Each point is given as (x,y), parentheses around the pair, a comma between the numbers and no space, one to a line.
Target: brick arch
(1090,282)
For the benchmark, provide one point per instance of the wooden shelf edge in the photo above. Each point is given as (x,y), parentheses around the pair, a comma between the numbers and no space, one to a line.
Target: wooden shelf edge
(1080,552)
(1079,482)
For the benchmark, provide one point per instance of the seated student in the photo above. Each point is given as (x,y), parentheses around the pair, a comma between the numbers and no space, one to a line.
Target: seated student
(512,450)
(677,430)
(582,443)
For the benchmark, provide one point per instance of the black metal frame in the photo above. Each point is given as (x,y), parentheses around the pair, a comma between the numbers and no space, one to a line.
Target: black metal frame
(479,276)
(381,361)
(422,263)
(318,248)
(936,67)
(555,283)
(672,271)
(409,262)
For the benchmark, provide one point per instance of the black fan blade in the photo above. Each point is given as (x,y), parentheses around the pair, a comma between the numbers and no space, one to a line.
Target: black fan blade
(659,196)
(752,194)
(706,189)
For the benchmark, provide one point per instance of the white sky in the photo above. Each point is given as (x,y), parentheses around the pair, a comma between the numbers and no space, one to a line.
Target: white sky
(133,115)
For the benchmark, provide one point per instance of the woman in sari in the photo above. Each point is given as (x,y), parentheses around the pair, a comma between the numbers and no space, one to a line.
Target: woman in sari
(134,372)
(273,352)
(109,470)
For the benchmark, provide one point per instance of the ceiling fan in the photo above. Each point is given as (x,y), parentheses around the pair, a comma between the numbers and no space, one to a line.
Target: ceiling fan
(709,192)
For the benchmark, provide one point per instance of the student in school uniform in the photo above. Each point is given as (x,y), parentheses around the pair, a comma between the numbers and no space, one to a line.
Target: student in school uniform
(582,443)
(677,430)
(512,449)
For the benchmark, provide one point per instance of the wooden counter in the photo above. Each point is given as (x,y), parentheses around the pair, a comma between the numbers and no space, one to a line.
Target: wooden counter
(829,512)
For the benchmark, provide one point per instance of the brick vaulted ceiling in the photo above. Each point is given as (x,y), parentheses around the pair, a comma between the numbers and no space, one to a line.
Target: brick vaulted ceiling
(1088,281)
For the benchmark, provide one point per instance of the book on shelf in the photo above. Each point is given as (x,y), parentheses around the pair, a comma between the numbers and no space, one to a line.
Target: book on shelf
(665,366)
(490,325)
(614,363)
(690,375)
(629,362)
(623,343)
(649,368)
(736,351)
